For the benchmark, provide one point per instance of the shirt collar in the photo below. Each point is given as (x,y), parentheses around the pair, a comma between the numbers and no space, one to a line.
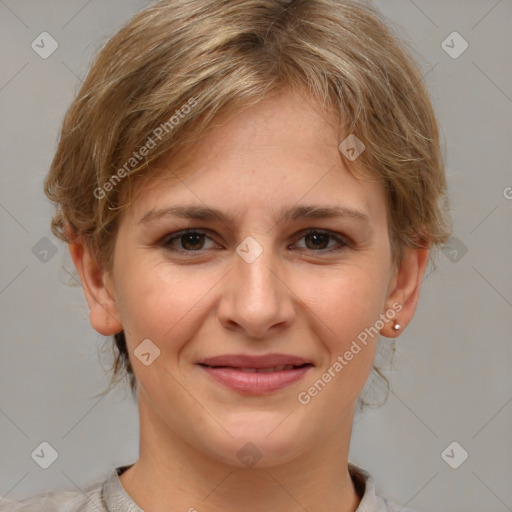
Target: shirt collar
(118,500)
(115,497)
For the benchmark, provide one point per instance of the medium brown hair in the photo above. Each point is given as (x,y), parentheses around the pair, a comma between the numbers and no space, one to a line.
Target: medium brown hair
(222,57)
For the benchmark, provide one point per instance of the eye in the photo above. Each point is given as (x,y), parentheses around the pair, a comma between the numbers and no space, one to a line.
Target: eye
(187,241)
(318,240)
(192,241)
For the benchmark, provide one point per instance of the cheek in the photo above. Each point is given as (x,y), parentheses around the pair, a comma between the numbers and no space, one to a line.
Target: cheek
(161,302)
(345,307)
(345,303)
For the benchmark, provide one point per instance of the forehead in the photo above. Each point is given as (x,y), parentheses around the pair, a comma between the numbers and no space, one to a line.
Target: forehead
(279,152)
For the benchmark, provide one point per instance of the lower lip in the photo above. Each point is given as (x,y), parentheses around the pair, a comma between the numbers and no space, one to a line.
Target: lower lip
(255,383)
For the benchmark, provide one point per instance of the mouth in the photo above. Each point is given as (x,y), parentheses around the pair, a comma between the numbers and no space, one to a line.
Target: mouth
(256,375)
(272,369)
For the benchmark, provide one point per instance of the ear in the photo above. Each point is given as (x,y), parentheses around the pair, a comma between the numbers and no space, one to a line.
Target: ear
(96,283)
(404,289)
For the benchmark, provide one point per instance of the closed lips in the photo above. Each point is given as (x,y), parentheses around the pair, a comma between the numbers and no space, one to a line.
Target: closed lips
(278,368)
(256,375)
(264,363)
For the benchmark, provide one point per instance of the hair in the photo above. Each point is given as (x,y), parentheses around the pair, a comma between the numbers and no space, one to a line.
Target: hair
(177,65)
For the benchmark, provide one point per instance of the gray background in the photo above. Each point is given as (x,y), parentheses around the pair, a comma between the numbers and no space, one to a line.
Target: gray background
(451,379)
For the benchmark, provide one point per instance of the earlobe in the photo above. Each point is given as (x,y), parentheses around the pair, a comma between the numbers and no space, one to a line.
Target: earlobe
(103,315)
(404,289)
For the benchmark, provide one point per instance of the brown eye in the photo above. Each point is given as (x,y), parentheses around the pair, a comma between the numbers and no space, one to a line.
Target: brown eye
(316,240)
(186,241)
(192,241)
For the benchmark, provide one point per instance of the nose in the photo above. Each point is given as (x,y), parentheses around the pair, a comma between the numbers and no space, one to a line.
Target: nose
(257,298)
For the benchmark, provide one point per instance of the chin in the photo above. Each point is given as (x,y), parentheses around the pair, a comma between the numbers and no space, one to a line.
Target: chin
(260,444)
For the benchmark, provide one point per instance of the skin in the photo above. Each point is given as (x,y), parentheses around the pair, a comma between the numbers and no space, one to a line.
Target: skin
(296,298)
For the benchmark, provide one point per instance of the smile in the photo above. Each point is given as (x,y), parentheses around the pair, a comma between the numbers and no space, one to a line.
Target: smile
(256,381)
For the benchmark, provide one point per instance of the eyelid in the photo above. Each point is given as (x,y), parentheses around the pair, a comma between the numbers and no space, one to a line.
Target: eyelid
(343,241)
(165,241)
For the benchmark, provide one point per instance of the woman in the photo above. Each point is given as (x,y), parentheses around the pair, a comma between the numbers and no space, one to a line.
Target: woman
(250,192)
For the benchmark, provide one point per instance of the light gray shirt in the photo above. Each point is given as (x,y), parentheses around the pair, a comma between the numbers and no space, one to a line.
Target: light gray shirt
(109,496)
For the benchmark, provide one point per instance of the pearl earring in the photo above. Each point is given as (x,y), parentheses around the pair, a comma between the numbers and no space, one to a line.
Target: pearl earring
(396,327)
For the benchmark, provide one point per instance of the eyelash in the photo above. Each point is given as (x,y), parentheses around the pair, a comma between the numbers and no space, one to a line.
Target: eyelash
(343,242)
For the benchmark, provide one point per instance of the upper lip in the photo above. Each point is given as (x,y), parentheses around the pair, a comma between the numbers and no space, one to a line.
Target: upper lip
(247,361)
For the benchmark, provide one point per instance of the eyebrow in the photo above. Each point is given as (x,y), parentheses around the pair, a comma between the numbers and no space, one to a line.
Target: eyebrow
(297,212)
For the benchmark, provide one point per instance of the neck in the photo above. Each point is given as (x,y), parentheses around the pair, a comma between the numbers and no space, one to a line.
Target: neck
(170,474)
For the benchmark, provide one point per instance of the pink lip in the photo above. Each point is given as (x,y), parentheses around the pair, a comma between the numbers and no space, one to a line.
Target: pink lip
(247,361)
(228,370)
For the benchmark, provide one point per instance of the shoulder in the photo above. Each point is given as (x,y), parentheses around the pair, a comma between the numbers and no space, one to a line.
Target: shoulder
(370,502)
(89,500)
(389,506)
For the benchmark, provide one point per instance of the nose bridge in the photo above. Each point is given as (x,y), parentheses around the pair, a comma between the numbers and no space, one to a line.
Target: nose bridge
(256,299)
(255,262)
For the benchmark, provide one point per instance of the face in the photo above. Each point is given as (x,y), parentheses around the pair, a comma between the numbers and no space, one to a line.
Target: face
(291,269)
